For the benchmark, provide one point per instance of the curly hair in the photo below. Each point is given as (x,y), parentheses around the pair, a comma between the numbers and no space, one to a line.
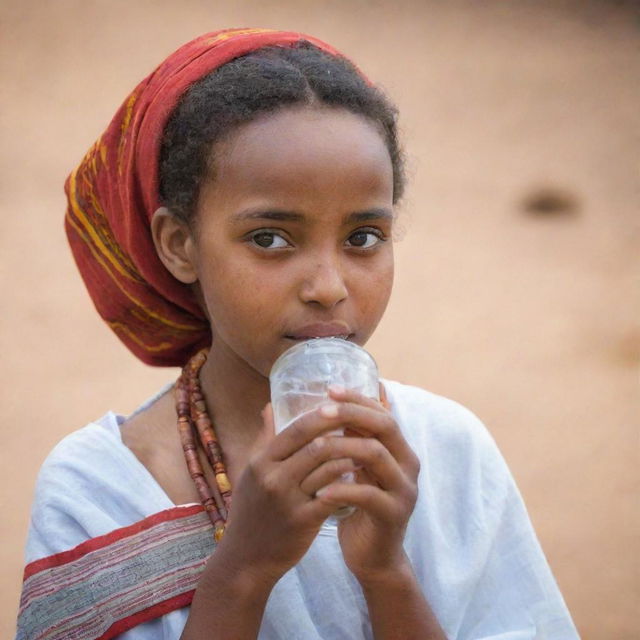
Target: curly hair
(263,81)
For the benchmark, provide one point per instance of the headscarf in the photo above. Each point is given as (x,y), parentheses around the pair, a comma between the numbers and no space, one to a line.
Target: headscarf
(113,195)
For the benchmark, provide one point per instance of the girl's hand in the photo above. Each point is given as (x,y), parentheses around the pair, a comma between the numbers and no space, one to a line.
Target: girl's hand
(275,515)
(385,491)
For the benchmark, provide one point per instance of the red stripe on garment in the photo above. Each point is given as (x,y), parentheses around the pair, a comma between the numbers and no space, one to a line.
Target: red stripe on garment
(132,550)
(99,542)
(155,611)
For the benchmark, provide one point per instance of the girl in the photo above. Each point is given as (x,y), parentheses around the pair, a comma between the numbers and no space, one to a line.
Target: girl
(241,201)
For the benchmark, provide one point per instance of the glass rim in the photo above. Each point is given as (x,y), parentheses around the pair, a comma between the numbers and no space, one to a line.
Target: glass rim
(337,346)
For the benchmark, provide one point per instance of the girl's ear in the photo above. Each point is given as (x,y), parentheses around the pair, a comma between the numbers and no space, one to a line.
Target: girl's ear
(175,245)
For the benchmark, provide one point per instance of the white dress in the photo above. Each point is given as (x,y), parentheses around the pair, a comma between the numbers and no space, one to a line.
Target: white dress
(469,539)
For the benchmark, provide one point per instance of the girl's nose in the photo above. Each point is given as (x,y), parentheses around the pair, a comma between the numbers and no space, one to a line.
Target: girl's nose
(324,286)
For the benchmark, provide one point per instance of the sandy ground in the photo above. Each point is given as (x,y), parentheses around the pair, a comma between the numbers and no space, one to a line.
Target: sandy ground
(516,269)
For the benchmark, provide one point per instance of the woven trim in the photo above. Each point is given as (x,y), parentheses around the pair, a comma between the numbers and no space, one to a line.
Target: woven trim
(111,583)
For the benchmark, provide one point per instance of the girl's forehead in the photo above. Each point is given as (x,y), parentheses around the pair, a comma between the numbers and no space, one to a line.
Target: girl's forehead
(304,150)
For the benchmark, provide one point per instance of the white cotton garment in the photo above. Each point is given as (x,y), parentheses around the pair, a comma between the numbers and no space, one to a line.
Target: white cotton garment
(469,539)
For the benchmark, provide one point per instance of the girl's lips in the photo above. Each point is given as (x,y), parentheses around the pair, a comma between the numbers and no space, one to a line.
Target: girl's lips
(303,338)
(333,330)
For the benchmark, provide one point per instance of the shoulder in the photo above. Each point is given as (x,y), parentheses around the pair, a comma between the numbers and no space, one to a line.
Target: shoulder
(431,420)
(89,484)
(470,539)
(462,468)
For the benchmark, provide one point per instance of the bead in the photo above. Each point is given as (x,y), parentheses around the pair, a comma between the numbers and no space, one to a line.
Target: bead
(193,418)
(223,482)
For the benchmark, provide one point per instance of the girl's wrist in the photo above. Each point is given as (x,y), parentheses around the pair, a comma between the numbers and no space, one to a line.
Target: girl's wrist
(397,606)
(396,574)
(245,581)
(228,597)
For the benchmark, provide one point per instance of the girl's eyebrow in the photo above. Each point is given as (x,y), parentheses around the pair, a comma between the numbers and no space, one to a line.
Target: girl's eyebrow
(266,214)
(294,216)
(369,214)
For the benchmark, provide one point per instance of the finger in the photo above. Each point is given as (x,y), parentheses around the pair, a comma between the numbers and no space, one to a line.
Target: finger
(320,461)
(375,501)
(337,392)
(260,446)
(379,468)
(363,477)
(376,423)
(384,399)
(302,431)
(317,510)
(267,417)
(305,465)
(325,474)
(310,424)
(268,433)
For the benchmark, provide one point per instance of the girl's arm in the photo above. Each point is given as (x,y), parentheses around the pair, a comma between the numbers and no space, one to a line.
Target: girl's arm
(398,609)
(371,539)
(229,603)
(236,603)
(278,510)
(274,519)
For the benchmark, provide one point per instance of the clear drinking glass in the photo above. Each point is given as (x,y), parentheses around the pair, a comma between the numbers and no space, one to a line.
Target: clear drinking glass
(300,376)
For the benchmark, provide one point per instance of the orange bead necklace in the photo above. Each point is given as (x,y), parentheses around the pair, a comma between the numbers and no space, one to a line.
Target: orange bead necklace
(193,418)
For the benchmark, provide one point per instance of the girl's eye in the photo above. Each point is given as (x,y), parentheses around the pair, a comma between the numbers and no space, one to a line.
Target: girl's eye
(365,239)
(269,240)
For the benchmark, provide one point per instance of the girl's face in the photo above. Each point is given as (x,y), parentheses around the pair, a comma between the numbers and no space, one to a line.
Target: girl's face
(293,236)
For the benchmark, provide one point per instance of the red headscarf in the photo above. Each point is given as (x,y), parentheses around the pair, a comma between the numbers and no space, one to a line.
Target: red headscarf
(113,195)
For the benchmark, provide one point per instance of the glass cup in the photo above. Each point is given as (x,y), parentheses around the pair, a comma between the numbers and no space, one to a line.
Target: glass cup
(300,376)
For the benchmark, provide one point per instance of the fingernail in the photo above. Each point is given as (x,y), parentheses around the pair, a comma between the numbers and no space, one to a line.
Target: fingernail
(329,410)
(338,389)
(321,492)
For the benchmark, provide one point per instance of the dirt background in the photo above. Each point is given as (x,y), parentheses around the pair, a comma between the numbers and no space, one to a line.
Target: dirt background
(516,270)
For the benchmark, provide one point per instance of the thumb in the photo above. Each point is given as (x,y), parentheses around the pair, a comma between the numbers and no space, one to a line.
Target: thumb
(269,425)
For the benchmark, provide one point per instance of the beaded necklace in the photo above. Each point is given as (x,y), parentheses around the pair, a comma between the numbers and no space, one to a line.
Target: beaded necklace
(193,418)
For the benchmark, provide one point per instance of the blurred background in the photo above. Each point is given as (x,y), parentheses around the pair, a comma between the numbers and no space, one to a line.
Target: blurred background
(517,275)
